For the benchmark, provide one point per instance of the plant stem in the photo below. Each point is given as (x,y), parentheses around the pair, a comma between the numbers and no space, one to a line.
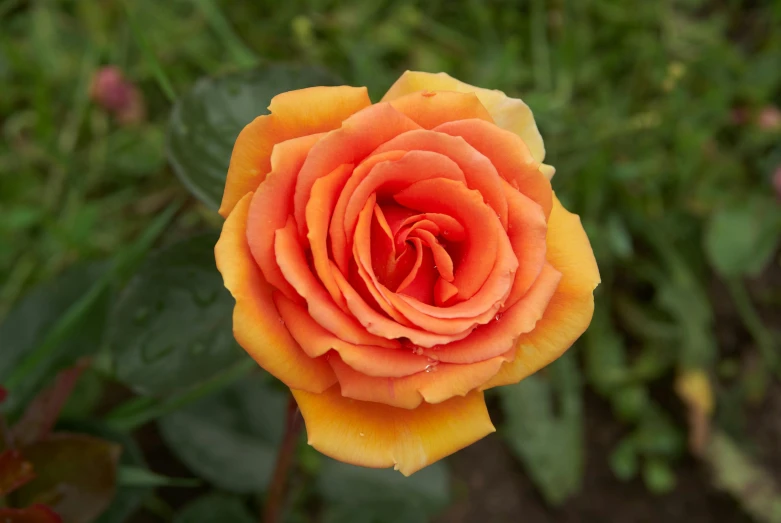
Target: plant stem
(277,489)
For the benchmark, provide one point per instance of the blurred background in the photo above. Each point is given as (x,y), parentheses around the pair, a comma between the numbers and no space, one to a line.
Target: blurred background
(662,119)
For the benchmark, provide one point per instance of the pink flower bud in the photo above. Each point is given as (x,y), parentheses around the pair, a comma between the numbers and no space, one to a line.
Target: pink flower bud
(112,91)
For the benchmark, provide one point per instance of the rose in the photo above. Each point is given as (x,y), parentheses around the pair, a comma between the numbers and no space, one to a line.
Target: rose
(391,261)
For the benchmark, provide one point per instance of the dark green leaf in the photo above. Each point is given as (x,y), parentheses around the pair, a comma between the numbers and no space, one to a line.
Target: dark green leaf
(75,476)
(26,326)
(206,121)
(230,438)
(214,508)
(549,445)
(740,240)
(171,327)
(658,476)
(624,460)
(362,495)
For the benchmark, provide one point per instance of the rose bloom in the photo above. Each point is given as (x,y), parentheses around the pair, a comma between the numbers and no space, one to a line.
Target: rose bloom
(392,261)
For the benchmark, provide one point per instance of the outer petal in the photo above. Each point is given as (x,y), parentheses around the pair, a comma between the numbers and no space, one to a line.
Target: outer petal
(572,306)
(257,325)
(293,114)
(430,109)
(375,435)
(508,113)
(439,383)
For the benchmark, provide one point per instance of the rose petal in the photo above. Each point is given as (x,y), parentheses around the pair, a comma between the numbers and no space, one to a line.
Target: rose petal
(256,324)
(340,241)
(499,336)
(352,142)
(438,383)
(481,224)
(293,114)
(272,204)
(570,310)
(508,113)
(375,435)
(319,209)
(381,325)
(367,359)
(387,178)
(429,108)
(478,170)
(527,230)
(292,262)
(508,154)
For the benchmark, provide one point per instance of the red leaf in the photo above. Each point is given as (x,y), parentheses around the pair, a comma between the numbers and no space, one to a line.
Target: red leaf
(3,394)
(15,471)
(42,412)
(34,514)
(75,475)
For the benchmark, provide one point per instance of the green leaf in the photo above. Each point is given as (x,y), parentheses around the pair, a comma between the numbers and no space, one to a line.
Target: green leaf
(231,438)
(171,327)
(29,323)
(206,121)
(75,475)
(215,507)
(658,476)
(549,444)
(624,460)
(363,495)
(740,240)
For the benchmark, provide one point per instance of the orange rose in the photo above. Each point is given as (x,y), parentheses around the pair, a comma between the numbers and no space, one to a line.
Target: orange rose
(391,261)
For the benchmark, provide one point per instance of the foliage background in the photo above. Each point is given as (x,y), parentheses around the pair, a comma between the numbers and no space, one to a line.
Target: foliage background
(662,120)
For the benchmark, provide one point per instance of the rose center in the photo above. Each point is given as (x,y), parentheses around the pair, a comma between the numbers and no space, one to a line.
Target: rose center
(416,253)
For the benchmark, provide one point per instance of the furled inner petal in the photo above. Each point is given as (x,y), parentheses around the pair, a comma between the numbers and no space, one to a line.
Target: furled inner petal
(339,238)
(509,154)
(272,204)
(325,192)
(358,136)
(387,178)
(480,222)
(292,261)
(381,325)
(478,170)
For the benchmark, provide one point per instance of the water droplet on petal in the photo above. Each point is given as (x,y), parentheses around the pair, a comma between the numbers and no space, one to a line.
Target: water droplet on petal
(498,316)
(361,434)
(432,367)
